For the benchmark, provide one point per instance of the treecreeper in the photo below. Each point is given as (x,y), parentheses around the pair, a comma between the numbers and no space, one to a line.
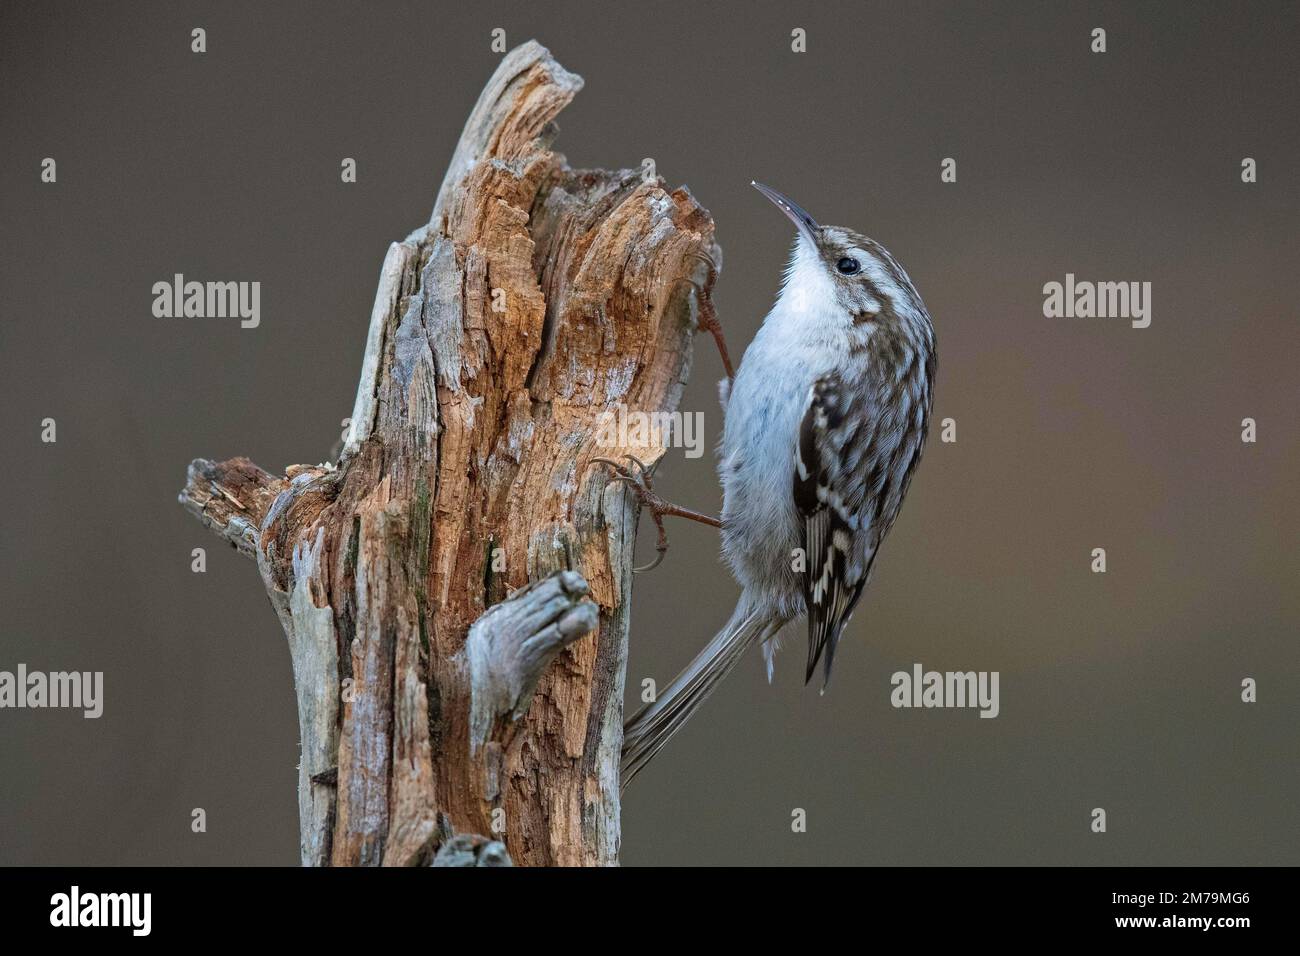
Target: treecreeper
(825,423)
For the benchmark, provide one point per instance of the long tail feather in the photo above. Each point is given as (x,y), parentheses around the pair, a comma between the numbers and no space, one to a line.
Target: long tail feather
(652,727)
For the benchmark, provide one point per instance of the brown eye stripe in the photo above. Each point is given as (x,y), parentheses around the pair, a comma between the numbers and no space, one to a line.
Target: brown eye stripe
(895,271)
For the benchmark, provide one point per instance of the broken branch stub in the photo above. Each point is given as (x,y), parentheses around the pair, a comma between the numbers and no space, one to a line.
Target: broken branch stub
(510,645)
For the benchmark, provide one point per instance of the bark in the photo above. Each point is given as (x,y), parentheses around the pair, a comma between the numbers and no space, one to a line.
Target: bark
(455,589)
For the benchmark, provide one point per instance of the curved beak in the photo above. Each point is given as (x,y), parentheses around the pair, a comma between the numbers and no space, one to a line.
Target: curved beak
(806,224)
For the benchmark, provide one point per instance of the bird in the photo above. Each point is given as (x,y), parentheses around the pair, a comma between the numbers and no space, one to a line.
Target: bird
(824,425)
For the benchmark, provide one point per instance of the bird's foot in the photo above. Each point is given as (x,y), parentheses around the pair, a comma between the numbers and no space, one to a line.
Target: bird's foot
(708,317)
(640,478)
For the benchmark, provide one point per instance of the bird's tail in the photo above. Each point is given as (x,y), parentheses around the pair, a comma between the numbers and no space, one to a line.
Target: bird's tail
(651,727)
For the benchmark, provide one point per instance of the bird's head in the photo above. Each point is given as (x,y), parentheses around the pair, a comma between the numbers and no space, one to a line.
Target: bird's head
(855,272)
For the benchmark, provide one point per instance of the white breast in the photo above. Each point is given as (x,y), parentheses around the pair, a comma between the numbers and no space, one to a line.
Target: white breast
(799,341)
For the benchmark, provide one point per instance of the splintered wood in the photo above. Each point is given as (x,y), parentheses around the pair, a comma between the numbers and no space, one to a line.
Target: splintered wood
(537,301)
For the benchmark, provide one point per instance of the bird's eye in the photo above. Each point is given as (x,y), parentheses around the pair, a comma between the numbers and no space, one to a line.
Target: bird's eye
(848,266)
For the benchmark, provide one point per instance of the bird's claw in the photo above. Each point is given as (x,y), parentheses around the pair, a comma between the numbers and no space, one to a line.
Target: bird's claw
(707,318)
(640,478)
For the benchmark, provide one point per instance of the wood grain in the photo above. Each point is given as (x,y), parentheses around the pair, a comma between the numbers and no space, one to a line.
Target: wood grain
(536,300)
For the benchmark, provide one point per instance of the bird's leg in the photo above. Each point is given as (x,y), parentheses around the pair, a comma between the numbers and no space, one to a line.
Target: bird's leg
(641,480)
(708,317)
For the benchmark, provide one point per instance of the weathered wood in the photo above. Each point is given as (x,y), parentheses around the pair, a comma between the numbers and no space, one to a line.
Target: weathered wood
(472,851)
(510,645)
(537,300)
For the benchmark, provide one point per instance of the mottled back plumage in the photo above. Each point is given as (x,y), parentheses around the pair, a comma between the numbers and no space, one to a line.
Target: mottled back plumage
(859,442)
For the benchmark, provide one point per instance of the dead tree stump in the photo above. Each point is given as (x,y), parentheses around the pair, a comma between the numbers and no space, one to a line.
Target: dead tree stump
(455,589)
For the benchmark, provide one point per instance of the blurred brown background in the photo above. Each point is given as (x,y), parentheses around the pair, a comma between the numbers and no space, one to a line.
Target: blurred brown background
(1118,690)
